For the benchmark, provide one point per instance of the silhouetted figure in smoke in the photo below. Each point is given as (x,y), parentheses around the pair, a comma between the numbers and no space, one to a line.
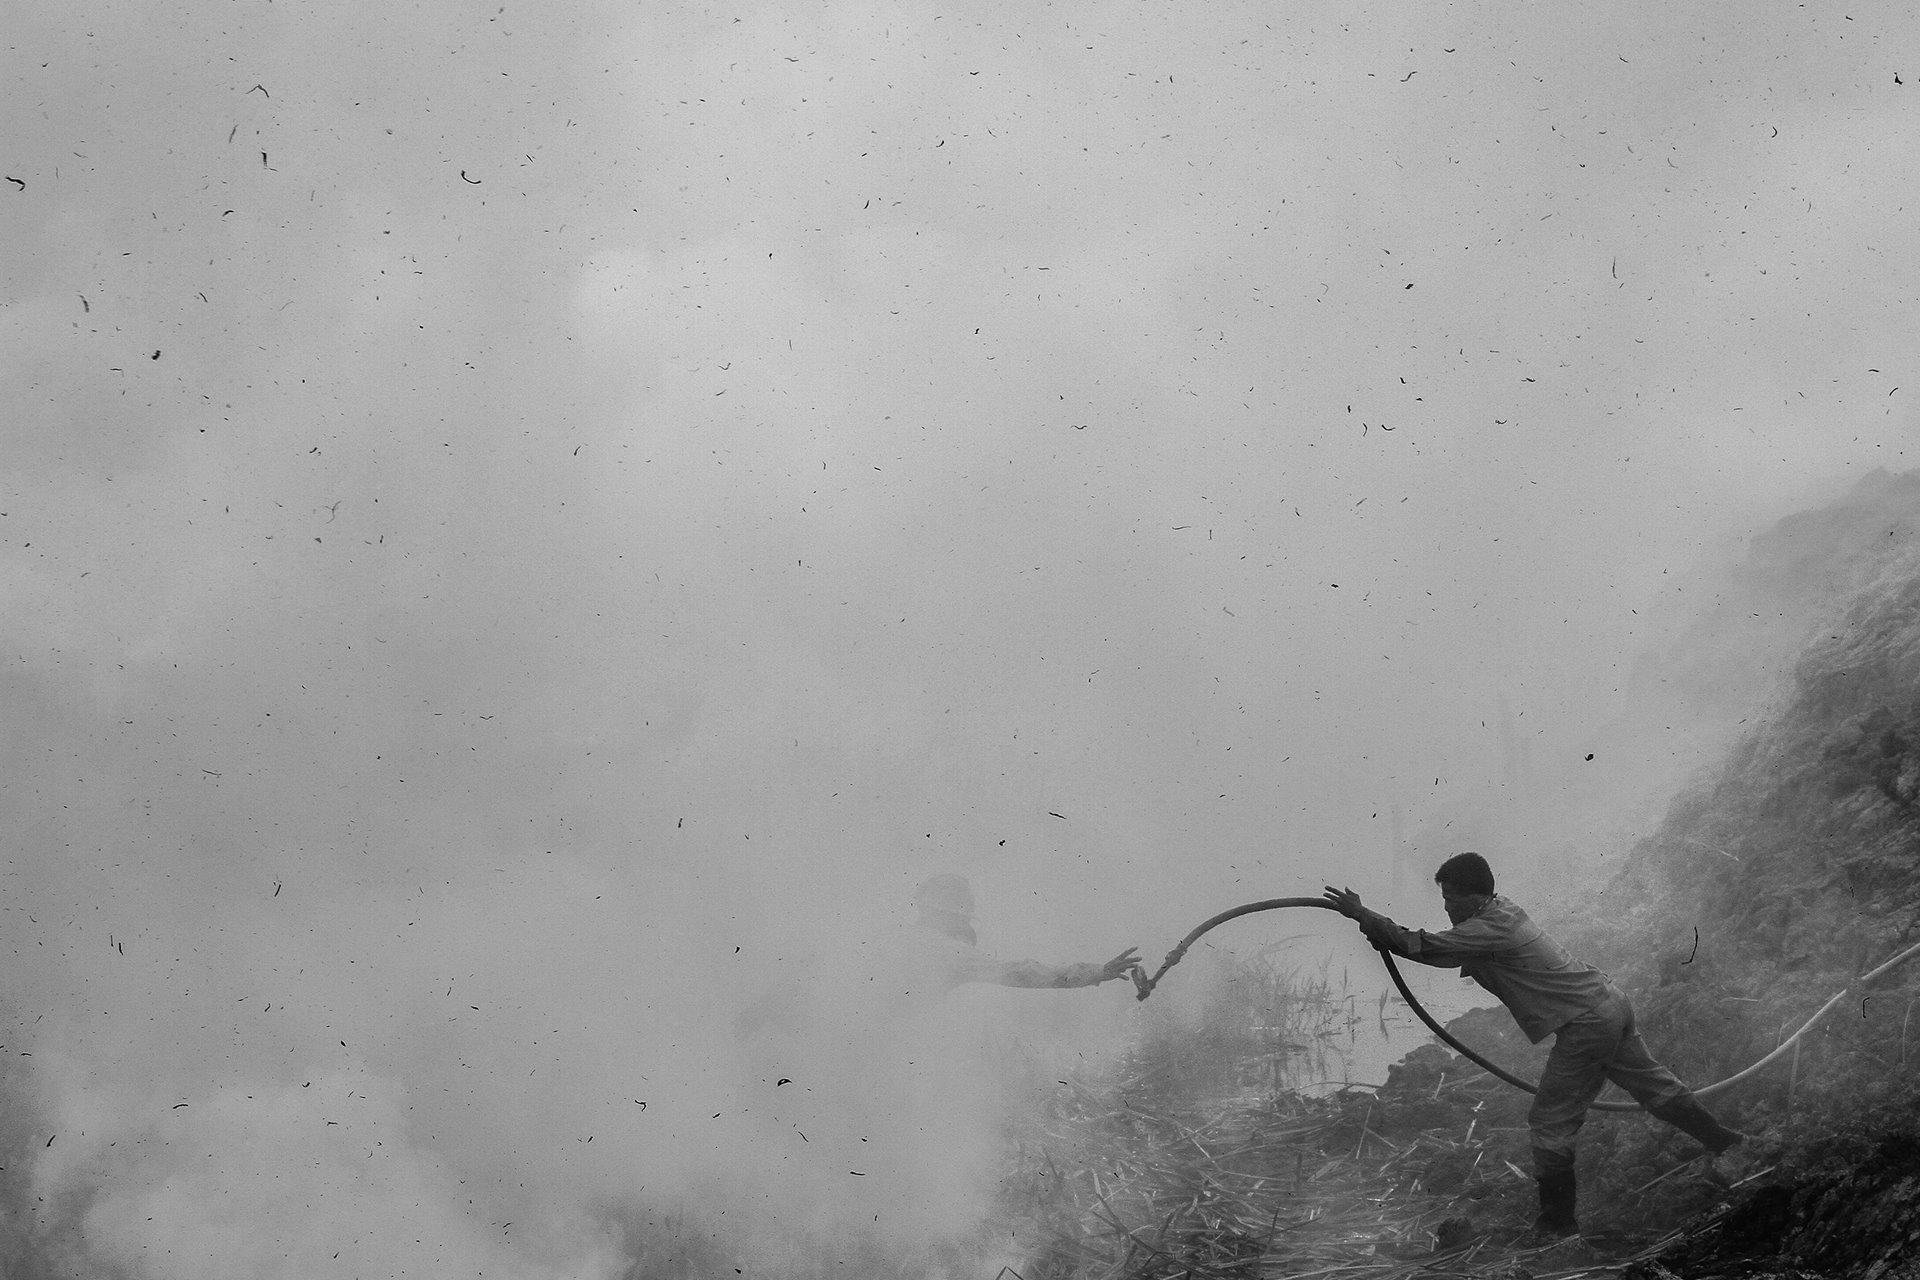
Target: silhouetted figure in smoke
(952,956)
(1549,993)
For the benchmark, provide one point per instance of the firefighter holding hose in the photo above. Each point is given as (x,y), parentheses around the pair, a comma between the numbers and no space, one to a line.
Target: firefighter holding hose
(1550,993)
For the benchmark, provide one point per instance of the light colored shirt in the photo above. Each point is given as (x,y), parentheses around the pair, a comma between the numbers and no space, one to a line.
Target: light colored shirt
(1541,983)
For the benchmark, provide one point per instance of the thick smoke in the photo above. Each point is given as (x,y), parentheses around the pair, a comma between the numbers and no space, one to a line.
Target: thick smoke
(252,1039)
(525,533)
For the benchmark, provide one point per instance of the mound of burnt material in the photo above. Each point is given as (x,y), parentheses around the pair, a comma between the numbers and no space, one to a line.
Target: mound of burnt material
(1856,1223)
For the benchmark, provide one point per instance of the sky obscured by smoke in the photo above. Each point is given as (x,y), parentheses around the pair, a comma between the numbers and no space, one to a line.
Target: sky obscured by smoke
(518,522)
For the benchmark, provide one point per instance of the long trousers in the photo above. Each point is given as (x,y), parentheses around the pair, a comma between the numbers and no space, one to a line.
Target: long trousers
(1599,1045)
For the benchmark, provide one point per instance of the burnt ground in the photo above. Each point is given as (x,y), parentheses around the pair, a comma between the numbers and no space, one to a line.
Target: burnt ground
(1429,1176)
(1857,1223)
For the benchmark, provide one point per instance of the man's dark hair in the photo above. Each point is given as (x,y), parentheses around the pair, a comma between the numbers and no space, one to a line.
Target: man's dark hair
(1465,873)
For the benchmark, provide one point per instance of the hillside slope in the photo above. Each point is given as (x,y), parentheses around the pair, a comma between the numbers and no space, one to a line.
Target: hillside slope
(1781,876)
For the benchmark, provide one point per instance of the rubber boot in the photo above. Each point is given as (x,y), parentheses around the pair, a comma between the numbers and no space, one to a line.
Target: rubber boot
(1556,1220)
(1687,1115)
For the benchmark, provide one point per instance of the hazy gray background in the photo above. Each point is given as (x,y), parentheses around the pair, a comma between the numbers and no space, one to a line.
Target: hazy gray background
(517,519)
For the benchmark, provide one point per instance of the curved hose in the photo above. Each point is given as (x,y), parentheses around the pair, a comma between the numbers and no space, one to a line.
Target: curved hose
(1144,986)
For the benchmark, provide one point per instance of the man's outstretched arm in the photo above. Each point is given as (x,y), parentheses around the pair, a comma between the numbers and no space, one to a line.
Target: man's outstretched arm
(1032,973)
(1450,949)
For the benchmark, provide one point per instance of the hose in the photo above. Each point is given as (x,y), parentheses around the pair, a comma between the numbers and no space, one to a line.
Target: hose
(1144,986)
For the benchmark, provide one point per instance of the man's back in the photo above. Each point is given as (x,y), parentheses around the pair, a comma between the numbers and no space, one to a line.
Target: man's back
(1501,948)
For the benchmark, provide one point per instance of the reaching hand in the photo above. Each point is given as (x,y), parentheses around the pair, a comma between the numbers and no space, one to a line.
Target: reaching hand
(1345,901)
(1118,966)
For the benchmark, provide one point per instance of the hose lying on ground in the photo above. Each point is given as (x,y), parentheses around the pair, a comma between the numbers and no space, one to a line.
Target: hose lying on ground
(1145,985)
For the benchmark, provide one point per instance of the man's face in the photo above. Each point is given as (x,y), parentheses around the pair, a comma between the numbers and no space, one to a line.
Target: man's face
(1460,905)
